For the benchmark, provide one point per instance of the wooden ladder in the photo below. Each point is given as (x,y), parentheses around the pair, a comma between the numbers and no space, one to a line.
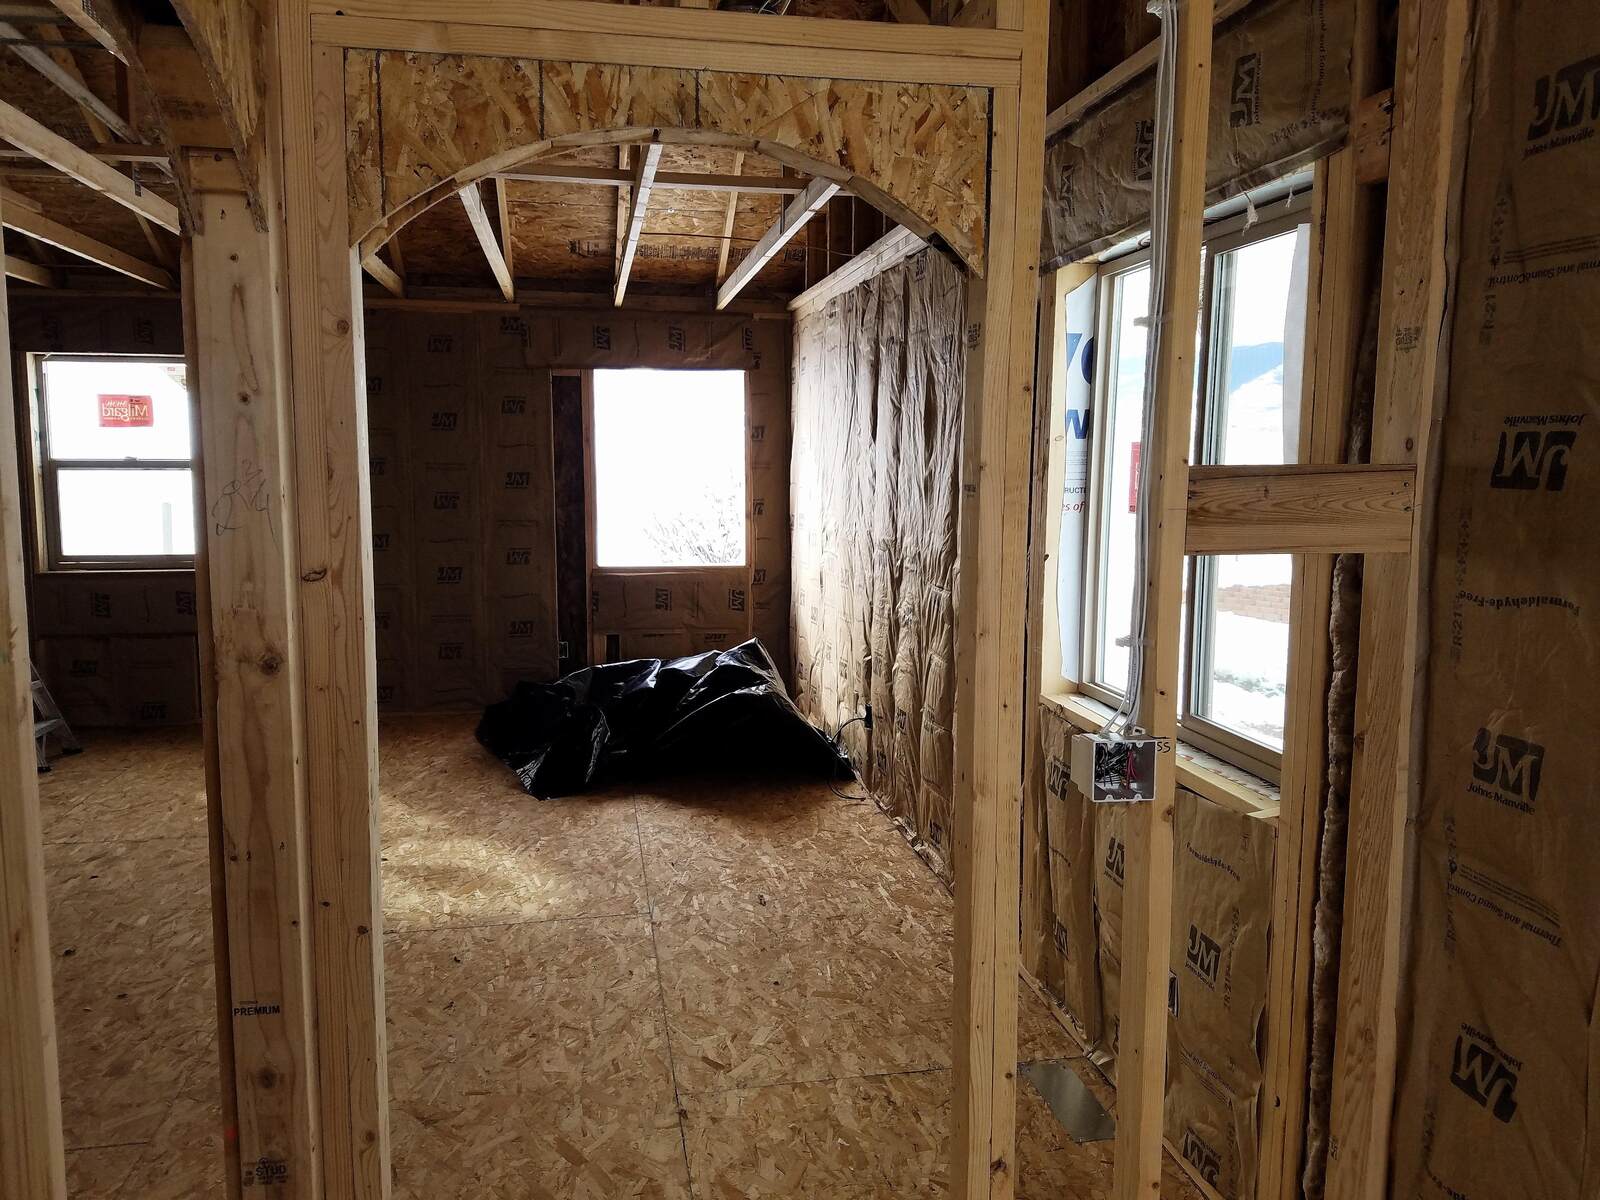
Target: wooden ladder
(47,720)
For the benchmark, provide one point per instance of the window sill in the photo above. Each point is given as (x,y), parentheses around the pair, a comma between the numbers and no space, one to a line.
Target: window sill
(120,572)
(1217,781)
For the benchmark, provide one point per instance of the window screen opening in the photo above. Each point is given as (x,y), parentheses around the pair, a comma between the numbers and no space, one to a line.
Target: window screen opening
(669,477)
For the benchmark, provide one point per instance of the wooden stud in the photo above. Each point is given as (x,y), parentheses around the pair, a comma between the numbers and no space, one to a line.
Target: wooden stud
(386,276)
(61,68)
(502,204)
(893,247)
(25,219)
(27,134)
(334,539)
(1433,43)
(644,176)
(799,211)
(908,12)
(728,219)
(483,228)
(991,628)
(1147,901)
(31,1149)
(1300,510)
(257,725)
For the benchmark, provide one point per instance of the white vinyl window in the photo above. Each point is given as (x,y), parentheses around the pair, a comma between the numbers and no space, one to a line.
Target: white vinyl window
(115,462)
(669,469)
(1247,403)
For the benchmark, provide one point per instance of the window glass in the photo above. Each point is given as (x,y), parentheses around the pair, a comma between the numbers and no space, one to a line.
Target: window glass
(1242,644)
(1130,301)
(1253,414)
(669,468)
(115,408)
(125,513)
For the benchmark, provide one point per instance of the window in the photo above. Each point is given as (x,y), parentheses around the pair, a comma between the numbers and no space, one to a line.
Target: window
(1247,396)
(115,457)
(669,468)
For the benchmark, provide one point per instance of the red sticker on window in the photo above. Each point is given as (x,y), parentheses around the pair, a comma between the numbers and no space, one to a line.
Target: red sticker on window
(1133,480)
(126,412)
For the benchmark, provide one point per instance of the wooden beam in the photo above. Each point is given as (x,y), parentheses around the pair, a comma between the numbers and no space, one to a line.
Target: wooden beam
(1121,75)
(1433,50)
(332,533)
(1147,898)
(31,1146)
(61,69)
(644,175)
(793,219)
(26,219)
(728,219)
(502,204)
(893,247)
(1300,510)
(908,12)
(111,152)
(27,134)
(252,581)
(991,627)
(1372,129)
(29,272)
(387,277)
(771,185)
(677,37)
(83,14)
(483,228)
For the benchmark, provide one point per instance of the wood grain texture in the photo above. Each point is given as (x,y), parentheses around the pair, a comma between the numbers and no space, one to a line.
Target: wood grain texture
(248,477)
(488,242)
(1300,510)
(31,1158)
(795,215)
(1147,899)
(1423,184)
(422,125)
(230,38)
(54,233)
(333,541)
(991,633)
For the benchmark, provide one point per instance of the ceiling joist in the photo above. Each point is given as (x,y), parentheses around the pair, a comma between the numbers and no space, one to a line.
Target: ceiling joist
(727,222)
(84,14)
(21,268)
(23,132)
(61,68)
(800,210)
(644,177)
(23,215)
(472,200)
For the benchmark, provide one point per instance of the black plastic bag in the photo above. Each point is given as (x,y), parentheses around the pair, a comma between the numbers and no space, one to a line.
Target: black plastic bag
(650,715)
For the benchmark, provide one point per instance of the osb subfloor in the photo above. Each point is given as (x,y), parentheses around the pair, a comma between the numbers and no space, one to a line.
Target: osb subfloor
(697,990)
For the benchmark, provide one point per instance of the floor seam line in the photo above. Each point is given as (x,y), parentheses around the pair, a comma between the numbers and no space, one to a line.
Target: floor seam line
(661,994)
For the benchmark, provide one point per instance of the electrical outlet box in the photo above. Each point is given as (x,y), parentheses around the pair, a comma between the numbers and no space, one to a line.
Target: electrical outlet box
(1109,769)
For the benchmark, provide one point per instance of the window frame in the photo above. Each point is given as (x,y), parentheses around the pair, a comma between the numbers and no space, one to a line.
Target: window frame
(1224,235)
(50,468)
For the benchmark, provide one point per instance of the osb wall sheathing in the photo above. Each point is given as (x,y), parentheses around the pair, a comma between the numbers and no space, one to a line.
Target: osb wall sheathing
(417,122)
(877,428)
(1280,98)
(114,647)
(1499,1093)
(463,498)
(1222,891)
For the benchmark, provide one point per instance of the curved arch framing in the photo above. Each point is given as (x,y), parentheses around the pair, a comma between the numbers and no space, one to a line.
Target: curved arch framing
(423,126)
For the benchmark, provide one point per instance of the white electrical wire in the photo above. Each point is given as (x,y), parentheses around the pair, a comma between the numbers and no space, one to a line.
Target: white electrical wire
(1161,183)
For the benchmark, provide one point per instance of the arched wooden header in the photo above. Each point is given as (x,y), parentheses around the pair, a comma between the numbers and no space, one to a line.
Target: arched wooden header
(421,126)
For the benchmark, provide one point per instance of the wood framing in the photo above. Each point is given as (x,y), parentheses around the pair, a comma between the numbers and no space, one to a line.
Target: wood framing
(27,134)
(61,69)
(766,185)
(31,1150)
(792,220)
(1433,41)
(1300,510)
(29,272)
(26,218)
(728,219)
(1147,897)
(895,246)
(488,241)
(991,629)
(256,725)
(647,159)
(386,276)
